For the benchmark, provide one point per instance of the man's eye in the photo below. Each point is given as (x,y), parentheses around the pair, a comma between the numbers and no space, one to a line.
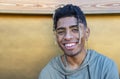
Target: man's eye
(75,30)
(60,32)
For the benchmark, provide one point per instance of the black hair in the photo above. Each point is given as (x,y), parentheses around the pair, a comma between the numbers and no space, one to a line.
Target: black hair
(66,11)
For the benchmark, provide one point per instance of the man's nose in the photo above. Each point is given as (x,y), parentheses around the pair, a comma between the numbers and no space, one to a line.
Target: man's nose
(68,36)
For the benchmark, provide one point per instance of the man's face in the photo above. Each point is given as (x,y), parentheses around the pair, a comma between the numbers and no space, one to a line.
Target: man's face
(68,35)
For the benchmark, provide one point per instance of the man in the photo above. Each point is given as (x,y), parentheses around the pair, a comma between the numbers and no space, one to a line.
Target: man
(78,62)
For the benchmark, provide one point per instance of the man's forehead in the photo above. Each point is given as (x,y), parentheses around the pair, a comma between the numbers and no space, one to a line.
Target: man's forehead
(72,26)
(67,21)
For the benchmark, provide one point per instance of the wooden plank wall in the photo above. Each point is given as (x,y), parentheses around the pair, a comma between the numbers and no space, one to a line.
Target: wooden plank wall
(47,7)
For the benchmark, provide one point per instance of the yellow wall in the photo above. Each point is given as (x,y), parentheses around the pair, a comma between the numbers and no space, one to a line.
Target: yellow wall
(26,42)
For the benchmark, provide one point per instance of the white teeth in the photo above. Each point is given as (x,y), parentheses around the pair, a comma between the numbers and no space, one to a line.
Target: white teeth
(71,44)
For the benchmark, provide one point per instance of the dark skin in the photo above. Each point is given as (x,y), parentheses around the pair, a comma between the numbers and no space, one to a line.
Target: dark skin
(71,40)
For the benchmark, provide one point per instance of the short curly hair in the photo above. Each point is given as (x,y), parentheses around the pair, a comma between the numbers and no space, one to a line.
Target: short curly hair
(66,11)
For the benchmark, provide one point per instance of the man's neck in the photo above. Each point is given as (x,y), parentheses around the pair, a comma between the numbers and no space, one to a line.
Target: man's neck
(75,61)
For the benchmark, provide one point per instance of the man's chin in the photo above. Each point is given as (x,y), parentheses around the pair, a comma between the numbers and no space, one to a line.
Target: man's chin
(71,53)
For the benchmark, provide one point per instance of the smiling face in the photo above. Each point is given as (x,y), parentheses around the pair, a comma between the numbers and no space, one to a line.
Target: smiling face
(68,35)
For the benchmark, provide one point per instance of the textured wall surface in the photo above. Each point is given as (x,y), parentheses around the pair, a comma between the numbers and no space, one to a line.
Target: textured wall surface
(47,7)
(27,42)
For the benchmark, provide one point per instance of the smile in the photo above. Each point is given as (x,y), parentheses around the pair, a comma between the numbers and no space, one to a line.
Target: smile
(70,46)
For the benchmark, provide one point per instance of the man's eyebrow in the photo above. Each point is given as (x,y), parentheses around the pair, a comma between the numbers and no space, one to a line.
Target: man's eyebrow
(60,28)
(72,26)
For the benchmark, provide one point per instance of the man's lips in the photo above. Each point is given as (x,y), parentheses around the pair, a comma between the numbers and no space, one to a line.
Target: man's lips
(70,46)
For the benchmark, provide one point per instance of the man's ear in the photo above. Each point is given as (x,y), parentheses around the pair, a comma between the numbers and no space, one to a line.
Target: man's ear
(87,31)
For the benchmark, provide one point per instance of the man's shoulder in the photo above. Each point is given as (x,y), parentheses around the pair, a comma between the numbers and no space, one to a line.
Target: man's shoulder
(102,61)
(105,65)
(48,69)
(97,56)
(50,64)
